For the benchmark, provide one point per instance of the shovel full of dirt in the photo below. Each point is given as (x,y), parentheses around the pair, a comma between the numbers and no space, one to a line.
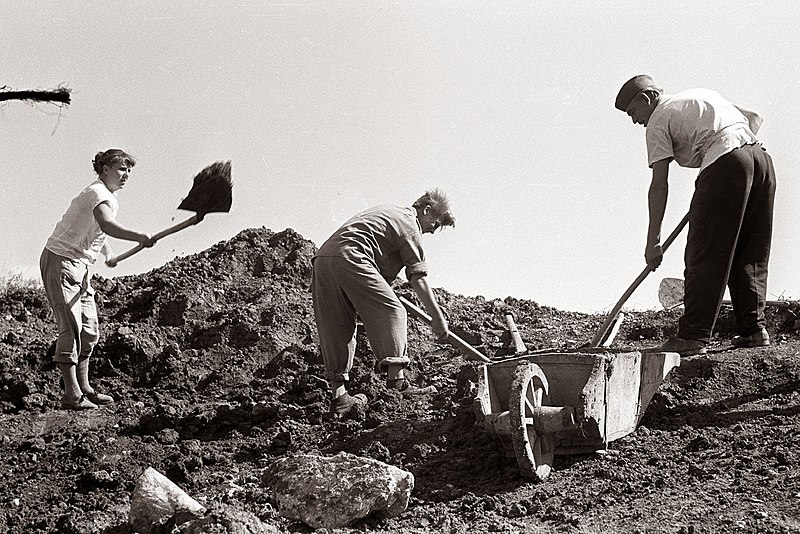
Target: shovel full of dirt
(211,192)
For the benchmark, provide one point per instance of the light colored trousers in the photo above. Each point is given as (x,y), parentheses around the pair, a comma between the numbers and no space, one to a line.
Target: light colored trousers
(66,283)
(343,289)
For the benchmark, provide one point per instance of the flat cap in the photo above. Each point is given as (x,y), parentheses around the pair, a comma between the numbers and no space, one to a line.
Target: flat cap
(631,88)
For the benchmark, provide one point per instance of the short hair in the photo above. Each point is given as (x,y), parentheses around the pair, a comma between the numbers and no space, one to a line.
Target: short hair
(111,156)
(438,201)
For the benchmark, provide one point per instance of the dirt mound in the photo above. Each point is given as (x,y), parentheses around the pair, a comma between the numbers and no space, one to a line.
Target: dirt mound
(214,362)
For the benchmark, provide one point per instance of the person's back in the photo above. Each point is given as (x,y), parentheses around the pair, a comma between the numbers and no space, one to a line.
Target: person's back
(387,236)
(695,127)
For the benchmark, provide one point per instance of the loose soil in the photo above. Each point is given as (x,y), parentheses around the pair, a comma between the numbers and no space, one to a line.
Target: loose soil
(214,361)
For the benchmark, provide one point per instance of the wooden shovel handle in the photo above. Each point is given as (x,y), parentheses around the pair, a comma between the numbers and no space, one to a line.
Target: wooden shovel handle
(453,339)
(601,334)
(163,233)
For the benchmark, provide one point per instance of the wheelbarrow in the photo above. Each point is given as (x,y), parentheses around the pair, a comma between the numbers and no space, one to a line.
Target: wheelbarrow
(566,402)
(550,402)
(569,402)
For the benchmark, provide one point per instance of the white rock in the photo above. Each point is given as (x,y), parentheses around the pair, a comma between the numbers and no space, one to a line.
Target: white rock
(333,492)
(156,499)
(230,521)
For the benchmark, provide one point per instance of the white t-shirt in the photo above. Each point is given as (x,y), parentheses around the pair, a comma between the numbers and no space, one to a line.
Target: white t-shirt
(77,235)
(695,127)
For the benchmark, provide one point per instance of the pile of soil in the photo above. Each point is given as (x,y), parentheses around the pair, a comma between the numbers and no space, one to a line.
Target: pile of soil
(214,362)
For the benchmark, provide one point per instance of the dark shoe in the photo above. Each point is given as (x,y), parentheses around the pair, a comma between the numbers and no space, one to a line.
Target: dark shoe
(684,347)
(759,339)
(77,405)
(100,399)
(343,403)
(407,388)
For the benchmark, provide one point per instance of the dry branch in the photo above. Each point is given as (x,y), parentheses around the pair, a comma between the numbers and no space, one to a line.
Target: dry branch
(60,95)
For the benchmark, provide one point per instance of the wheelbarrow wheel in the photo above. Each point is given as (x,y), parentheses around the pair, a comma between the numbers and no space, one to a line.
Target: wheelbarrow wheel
(534,449)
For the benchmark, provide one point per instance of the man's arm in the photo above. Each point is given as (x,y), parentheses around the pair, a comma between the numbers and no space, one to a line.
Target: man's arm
(428,299)
(752,117)
(657,205)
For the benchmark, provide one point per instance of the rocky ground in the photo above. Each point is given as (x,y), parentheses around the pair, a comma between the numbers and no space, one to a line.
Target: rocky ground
(214,362)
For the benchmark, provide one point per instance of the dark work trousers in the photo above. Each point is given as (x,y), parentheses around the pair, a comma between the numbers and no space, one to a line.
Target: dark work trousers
(730,231)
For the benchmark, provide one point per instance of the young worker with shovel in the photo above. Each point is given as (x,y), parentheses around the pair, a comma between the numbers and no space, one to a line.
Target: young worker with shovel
(351,276)
(730,217)
(73,246)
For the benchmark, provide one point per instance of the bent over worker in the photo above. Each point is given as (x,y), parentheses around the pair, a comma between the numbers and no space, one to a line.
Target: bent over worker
(730,217)
(351,275)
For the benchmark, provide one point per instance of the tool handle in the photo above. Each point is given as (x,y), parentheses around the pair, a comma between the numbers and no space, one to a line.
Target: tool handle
(163,233)
(453,339)
(601,334)
(519,345)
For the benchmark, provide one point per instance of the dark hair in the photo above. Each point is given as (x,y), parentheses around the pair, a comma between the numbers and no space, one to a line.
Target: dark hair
(438,201)
(111,156)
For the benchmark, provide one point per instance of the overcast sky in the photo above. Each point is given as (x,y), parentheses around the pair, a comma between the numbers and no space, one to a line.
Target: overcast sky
(327,108)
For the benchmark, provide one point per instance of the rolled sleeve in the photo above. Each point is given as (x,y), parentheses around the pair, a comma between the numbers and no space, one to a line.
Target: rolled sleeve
(417,270)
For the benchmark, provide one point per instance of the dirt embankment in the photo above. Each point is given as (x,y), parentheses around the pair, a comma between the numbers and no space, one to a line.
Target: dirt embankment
(214,362)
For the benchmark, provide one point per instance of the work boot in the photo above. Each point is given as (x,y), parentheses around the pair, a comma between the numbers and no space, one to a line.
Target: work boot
(407,388)
(101,399)
(343,403)
(79,404)
(759,339)
(683,346)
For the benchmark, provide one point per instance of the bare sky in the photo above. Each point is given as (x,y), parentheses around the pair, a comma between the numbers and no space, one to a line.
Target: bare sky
(327,108)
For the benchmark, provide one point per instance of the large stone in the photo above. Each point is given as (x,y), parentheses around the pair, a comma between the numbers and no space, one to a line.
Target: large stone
(156,500)
(228,521)
(332,492)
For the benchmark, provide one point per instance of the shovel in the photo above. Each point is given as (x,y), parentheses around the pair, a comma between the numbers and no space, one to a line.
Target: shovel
(670,295)
(211,192)
(453,339)
(601,334)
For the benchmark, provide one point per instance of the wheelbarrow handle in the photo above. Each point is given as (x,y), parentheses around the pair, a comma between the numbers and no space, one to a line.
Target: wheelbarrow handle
(453,339)
(601,334)
(163,233)
(519,345)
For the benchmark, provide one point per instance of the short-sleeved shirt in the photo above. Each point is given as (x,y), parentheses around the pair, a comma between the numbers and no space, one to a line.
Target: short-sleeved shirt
(695,127)
(77,235)
(387,236)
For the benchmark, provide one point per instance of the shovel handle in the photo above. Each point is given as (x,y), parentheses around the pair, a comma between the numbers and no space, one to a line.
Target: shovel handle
(453,339)
(163,233)
(601,334)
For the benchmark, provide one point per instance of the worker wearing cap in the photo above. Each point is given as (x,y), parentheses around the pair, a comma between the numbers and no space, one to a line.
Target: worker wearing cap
(351,276)
(730,217)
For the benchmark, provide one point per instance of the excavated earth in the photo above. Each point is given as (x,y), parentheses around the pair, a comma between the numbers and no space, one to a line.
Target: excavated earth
(214,361)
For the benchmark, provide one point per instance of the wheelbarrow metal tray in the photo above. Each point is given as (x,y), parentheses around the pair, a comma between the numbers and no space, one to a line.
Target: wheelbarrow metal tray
(608,391)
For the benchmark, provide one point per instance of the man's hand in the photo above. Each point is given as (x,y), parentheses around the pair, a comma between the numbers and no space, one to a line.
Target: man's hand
(440,328)
(112,261)
(653,255)
(146,240)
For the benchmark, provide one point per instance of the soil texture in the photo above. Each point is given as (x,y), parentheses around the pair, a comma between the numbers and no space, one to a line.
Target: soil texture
(215,368)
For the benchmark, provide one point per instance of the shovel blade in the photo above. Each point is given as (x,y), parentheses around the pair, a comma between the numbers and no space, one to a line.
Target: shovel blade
(670,292)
